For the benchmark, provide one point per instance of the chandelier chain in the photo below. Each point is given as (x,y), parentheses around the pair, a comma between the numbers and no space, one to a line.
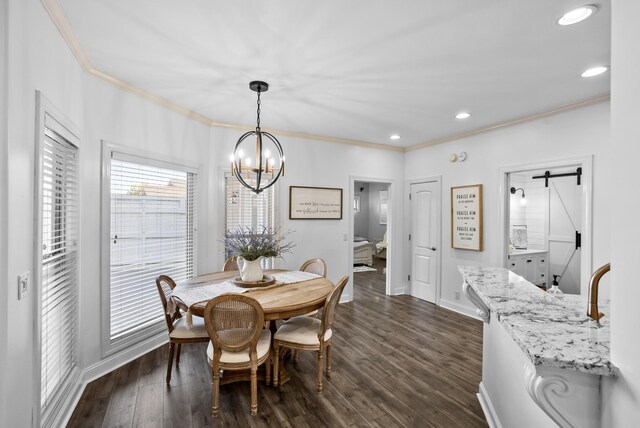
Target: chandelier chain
(258,111)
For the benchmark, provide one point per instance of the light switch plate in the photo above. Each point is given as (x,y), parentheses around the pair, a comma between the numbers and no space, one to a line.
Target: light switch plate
(24,287)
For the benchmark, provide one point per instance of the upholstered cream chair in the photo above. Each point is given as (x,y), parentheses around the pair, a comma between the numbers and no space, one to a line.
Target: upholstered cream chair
(231,264)
(179,332)
(317,266)
(238,341)
(310,334)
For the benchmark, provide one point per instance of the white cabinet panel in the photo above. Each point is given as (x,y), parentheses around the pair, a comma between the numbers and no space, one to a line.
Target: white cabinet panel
(532,267)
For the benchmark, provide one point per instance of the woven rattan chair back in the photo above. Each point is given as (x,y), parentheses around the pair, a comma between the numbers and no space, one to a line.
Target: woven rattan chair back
(234,322)
(165,286)
(329,309)
(317,266)
(231,264)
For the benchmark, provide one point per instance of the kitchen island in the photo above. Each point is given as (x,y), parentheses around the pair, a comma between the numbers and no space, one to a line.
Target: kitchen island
(543,358)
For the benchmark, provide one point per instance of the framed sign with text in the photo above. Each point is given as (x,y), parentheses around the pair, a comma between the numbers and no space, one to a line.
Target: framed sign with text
(315,203)
(466,217)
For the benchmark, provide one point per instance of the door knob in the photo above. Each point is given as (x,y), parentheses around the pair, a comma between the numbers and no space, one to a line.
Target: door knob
(432,248)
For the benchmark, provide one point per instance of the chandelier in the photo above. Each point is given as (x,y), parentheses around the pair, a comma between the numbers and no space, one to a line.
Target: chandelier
(261,172)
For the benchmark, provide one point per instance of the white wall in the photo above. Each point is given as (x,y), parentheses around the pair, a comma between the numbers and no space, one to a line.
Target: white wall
(38,59)
(361,219)
(537,210)
(4,180)
(567,135)
(316,163)
(376,230)
(621,406)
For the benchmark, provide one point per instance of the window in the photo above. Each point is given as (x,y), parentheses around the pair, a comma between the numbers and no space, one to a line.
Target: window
(152,231)
(244,208)
(58,261)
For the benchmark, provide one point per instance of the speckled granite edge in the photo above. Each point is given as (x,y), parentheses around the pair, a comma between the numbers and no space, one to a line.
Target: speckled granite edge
(551,331)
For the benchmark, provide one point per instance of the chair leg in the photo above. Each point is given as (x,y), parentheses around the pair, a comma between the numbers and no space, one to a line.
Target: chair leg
(276,362)
(329,360)
(295,356)
(170,363)
(178,354)
(215,377)
(320,352)
(254,389)
(267,369)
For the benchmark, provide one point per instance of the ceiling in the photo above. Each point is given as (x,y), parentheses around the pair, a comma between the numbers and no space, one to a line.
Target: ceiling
(354,70)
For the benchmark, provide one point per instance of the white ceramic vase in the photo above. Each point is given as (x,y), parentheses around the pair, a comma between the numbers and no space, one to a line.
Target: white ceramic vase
(250,270)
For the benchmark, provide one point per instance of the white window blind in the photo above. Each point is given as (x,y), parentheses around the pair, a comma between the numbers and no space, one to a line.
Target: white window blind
(59,305)
(244,208)
(152,232)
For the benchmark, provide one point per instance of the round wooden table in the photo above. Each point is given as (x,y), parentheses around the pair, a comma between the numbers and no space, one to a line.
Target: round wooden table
(278,302)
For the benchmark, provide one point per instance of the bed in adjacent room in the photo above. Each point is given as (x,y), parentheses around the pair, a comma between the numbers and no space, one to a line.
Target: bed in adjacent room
(362,251)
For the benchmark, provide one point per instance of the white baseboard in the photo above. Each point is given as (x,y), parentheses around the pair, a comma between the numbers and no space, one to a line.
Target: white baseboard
(105,366)
(459,308)
(398,291)
(487,408)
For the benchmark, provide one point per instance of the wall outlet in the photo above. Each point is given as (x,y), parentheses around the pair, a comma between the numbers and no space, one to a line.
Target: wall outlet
(24,285)
(457,295)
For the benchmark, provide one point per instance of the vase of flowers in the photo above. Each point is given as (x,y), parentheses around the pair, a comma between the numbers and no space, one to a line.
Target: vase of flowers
(252,246)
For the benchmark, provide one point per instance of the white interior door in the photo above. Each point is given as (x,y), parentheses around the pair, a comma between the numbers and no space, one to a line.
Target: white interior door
(424,239)
(565,202)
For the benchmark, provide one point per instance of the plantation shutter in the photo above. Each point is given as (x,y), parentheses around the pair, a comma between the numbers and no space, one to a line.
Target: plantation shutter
(153,232)
(59,300)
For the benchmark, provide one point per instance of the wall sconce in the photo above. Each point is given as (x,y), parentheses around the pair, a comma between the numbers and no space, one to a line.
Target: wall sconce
(523,200)
(458,157)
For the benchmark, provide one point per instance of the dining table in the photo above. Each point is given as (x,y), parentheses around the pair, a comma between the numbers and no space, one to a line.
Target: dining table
(293,293)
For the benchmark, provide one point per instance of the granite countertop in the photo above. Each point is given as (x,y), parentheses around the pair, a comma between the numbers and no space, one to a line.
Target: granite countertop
(551,331)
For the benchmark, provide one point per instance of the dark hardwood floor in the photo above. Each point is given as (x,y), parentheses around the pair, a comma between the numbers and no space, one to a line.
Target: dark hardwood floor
(396,361)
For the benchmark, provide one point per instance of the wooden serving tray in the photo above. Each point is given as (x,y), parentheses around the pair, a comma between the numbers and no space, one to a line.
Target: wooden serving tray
(266,281)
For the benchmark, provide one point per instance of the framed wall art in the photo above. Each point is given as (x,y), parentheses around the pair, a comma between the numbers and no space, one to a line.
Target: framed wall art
(315,203)
(466,217)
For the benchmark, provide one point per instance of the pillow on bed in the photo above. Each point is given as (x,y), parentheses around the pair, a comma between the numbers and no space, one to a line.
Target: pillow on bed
(359,239)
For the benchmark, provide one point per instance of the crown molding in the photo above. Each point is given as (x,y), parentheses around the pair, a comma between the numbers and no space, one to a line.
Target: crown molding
(149,96)
(60,20)
(568,107)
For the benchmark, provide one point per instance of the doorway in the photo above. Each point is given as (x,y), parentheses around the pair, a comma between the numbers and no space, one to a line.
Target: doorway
(370,235)
(424,240)
(547,232)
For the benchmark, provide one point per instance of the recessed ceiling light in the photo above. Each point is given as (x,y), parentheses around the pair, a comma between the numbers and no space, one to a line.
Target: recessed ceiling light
(463,115)
(594,71)
(578,14)
(394,137)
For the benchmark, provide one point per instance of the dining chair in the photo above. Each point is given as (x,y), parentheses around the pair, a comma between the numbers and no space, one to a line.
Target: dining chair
(179,331)
(238,341)
(231,264)
(317,266)
(310,334)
